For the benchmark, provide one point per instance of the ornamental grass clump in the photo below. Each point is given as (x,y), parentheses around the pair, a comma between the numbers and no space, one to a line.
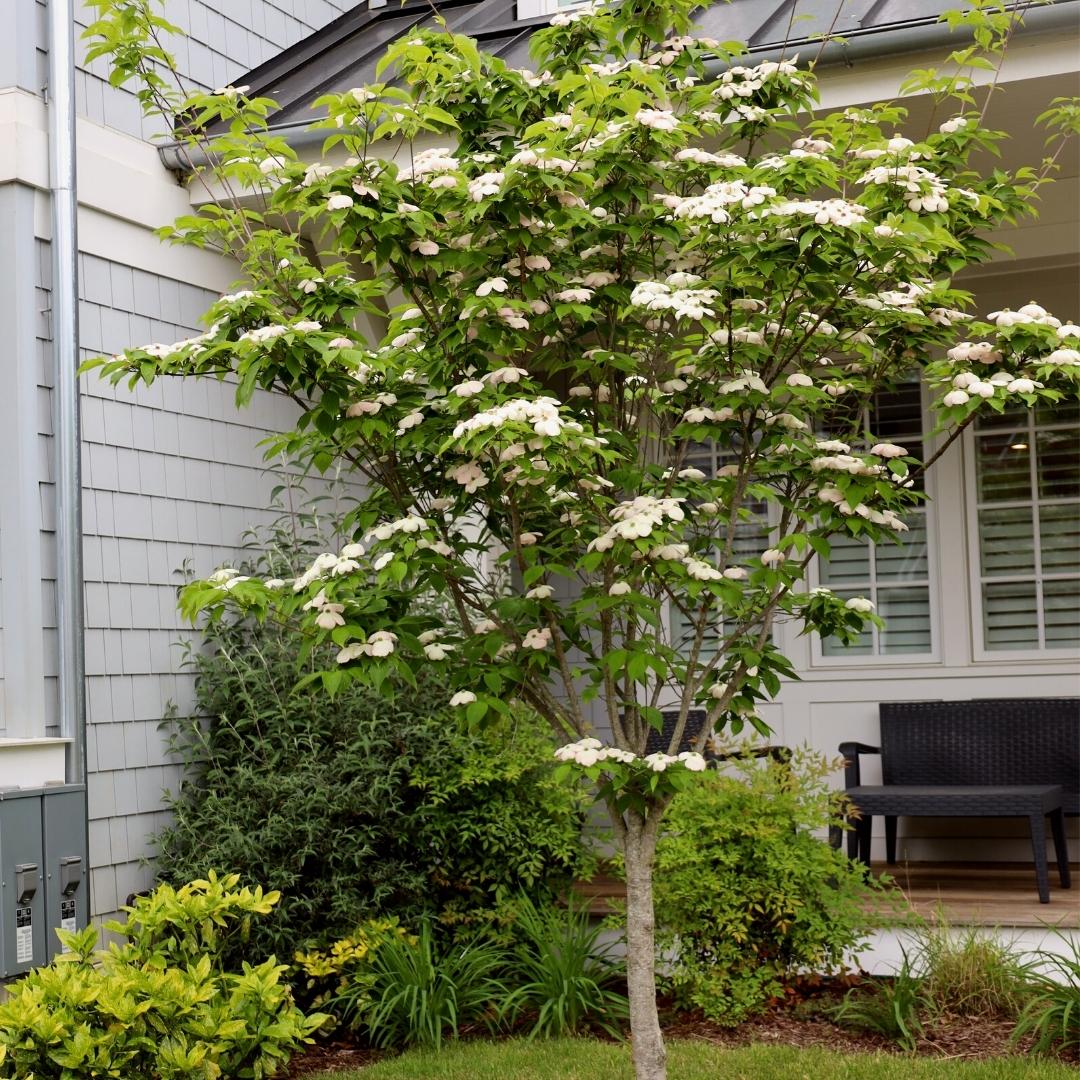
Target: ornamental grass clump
(511,302)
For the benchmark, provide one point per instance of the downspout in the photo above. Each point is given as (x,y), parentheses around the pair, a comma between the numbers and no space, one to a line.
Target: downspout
(67,444)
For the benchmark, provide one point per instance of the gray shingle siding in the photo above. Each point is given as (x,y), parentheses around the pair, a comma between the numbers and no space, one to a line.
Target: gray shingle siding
(224,38)
(172,476)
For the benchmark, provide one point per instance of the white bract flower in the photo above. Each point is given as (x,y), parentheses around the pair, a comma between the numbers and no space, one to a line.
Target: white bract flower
(339,202)
(538,638)
(659,762)
(620,588)
(772,558)
(860,604)
(462,697)
(693,761)
(887,450)
(540,592)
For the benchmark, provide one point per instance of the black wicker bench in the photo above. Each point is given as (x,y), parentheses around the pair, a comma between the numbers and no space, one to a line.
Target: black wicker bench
(1015,757)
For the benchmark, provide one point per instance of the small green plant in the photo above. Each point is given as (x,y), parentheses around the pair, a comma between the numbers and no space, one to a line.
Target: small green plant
(1052,1012)
(969,971)
(747,895)
(346,966)
(418,993)
(159,1005)
(563,977)
(890,1007)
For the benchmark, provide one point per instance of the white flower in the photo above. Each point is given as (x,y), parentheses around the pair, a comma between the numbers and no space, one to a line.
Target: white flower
(832,446)
(339,343)
(950,127)
(956,397)
(574,296)
(462,697)
(718,690)
(231,92)
(659,762)
(860,604)
(1066,357)
(274,583)
(887,450)
(527,539)
(540,592)
(735,573)
(436,651)
(381,643)
(424,247)
(538,638)
(691,474)
(330,615)
(307,326)
(1021,386)
(772,558)
(409,421)
(1068,330)
(223,575)
(620,588)
(469,388)
(339,202)
(495,284)
(383,560)
(693,761)
(658,119)
(798,379)
(470,476)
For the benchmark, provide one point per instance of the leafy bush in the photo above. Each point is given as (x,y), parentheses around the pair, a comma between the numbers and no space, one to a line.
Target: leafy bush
(747,894)
(562,977)
(1052,1012)
(358,805)
(160,1005)
(418,993)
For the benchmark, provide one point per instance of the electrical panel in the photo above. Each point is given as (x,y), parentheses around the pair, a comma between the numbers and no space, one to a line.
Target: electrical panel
(67,895)
(22,896)
(43,872)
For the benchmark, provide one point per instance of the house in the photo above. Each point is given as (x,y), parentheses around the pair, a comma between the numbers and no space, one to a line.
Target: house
(983,601)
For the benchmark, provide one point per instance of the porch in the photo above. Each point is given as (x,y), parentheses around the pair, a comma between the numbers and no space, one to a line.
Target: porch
(967,894)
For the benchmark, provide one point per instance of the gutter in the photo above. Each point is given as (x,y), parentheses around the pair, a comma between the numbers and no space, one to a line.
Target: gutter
(67,448)
(910,35)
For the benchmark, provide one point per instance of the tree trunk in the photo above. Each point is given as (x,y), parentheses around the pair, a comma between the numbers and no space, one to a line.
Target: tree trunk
(650,1057)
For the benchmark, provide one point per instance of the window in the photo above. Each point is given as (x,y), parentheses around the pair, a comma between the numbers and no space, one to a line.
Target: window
(1025,487)
(896,577)
(532,9)
(751,539)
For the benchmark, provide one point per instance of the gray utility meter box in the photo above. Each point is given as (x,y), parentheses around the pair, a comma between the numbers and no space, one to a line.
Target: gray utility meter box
(42,872)
(67,894)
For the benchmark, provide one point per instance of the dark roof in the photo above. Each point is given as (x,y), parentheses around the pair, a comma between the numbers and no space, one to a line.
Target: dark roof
(344,53)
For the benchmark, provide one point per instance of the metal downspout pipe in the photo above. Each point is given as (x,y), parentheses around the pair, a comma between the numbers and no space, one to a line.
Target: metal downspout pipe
(67,442)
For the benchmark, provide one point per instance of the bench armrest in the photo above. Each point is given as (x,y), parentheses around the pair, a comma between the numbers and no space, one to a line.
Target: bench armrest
(851,752)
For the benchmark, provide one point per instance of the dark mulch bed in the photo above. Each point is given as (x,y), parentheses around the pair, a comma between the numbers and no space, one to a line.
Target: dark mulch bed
(799,1021)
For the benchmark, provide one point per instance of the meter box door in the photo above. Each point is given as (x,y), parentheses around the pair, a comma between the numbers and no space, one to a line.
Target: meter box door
(67,899)
(22,892)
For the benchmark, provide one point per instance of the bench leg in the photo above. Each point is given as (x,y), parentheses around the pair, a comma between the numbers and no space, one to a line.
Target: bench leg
(1061,848)
(890,839)
(864,828)
(1038,847)
(853,838)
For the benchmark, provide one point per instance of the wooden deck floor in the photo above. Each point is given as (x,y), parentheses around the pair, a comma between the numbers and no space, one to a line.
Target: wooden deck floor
(969,894)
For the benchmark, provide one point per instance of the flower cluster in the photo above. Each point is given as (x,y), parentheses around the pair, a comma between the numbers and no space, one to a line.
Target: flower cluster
(589,752)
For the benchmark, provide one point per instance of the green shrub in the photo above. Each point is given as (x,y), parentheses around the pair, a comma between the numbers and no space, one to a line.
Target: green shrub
(746,894)
(419,992)
(1052,1012)
(359,805)
(561,977)
(160,1005)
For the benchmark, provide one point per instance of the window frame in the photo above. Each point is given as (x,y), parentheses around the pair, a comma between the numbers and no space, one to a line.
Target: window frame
(536,9)
(876,659)
(979,652)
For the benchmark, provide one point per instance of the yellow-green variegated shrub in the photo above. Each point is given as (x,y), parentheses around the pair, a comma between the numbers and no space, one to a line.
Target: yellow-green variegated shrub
(159,1005)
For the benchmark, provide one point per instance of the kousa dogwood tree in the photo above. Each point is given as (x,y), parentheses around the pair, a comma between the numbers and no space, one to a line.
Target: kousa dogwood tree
(512,303)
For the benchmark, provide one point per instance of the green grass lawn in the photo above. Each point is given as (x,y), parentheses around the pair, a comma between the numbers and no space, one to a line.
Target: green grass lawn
(585,1059)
